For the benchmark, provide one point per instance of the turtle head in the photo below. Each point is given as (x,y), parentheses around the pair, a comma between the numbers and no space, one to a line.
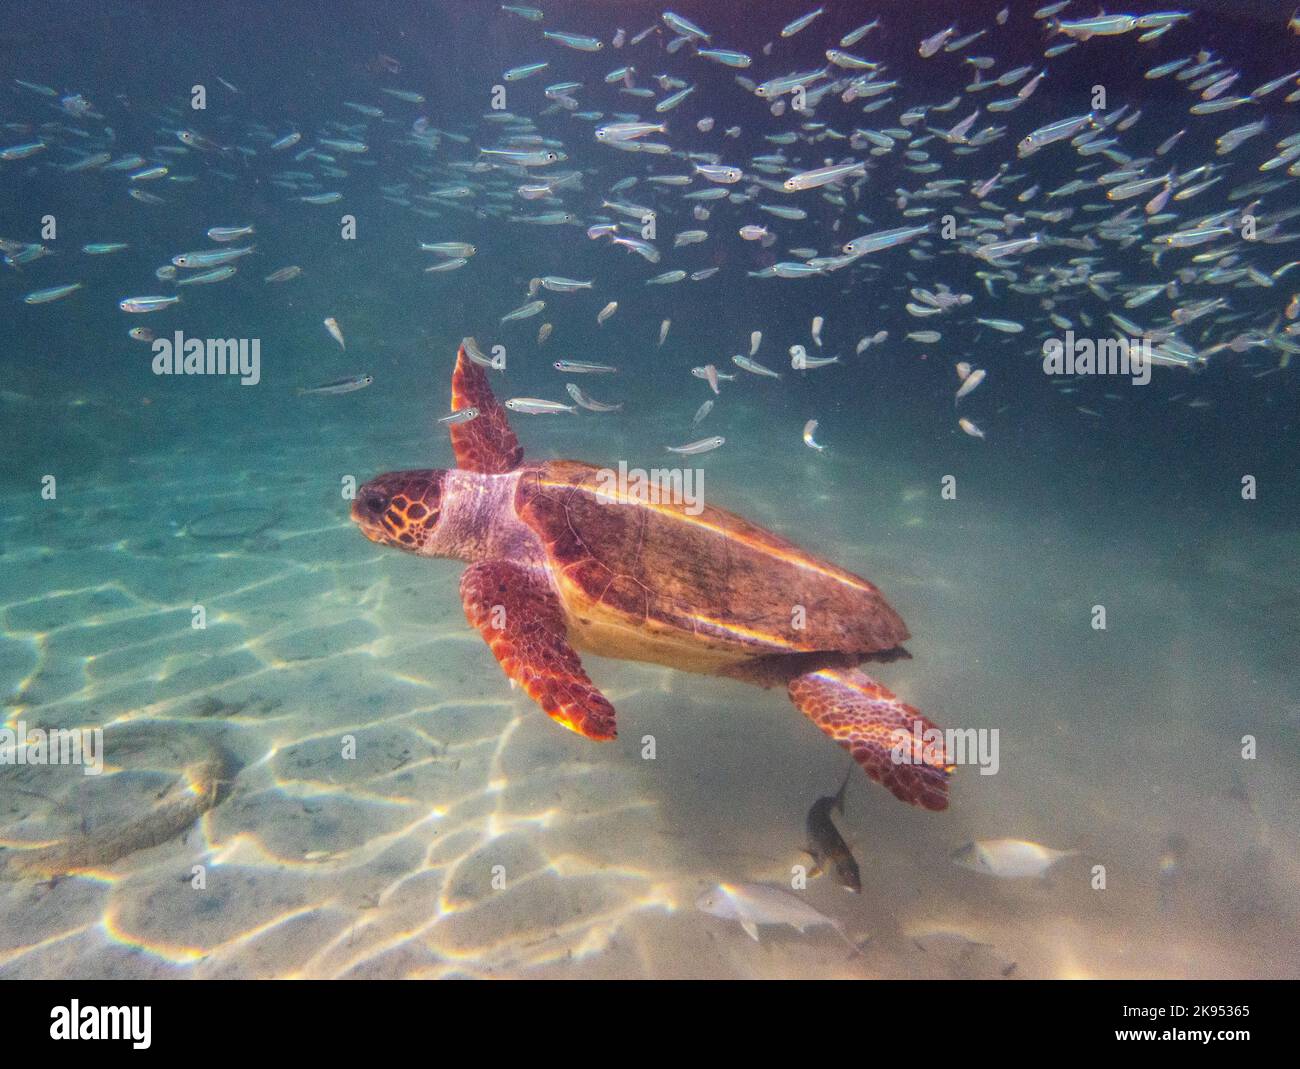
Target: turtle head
(401,508)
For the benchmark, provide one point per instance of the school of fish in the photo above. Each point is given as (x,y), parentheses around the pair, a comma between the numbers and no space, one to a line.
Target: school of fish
(1104,220)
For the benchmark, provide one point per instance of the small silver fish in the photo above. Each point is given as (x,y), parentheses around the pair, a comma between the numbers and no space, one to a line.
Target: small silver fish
(229,233)
(711,375)
(753,904)
(444,266)
(146,304)
(969,382)
(799,23)
(754,367)
(809,429)
(449,248)
(801,361)
(497,362)
(332,325)
(556,284)
(704,445)
(463,416)
(1009,858)
(535,406)
(203,278)
(1006,326)
(590,403)
(666,279)
(581,367)
(344,385)
(51,294)
(524,311)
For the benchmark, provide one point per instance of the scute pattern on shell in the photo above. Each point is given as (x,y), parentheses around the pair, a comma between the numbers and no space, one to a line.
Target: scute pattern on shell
(715,576)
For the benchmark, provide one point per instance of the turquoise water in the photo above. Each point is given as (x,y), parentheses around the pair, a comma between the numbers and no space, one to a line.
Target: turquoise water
(385,804)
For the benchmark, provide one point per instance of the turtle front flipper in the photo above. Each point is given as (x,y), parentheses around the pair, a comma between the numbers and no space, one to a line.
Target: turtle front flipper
(887,737)
(522,622)
(485,443)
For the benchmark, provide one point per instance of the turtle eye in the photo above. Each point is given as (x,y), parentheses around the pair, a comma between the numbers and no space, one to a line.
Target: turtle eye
(375,504)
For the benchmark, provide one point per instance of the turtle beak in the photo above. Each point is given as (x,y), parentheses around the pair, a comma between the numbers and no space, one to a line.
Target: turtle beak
(399,508)
(369,507)
(367,528)
(363,518)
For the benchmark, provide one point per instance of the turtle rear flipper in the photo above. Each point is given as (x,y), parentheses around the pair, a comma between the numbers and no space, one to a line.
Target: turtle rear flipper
(485,443)
(522,622)
(872,724)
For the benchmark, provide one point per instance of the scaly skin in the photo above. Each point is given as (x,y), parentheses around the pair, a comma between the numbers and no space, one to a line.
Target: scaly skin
(556,566)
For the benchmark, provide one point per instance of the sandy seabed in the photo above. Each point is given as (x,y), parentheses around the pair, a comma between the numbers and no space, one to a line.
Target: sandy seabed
(470,836)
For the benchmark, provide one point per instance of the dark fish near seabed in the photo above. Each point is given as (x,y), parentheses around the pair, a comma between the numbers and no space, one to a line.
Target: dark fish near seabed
(826,845)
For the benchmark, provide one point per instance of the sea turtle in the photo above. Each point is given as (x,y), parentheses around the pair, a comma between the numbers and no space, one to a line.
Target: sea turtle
(561,559)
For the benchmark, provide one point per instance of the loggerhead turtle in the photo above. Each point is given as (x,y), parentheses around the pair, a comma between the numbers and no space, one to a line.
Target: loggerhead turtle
(559,562)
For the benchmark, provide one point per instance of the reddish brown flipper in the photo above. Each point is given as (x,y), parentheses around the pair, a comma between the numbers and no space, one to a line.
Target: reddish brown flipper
(866,719)
(486,443)
(522,622)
